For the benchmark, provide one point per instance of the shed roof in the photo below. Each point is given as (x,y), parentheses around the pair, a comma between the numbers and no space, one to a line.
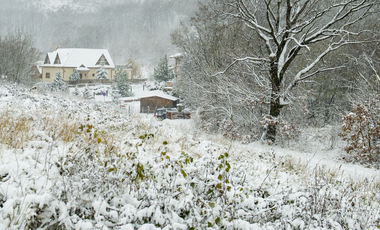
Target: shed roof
(165,96)
(79,57)
(178,55)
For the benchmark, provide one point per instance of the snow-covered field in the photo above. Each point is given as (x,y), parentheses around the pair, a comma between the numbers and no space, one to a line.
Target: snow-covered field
(68,163)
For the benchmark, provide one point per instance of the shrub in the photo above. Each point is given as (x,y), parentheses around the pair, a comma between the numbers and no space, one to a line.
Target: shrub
(361,129)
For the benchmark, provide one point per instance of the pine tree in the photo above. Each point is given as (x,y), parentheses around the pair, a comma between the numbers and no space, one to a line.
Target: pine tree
(76,91)
(87,93)
(121,83)
(162,72)
(74,76)
(59,84)
(115,95)
(101,73)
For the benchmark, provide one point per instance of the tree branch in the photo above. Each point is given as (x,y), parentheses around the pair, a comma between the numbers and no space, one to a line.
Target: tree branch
(255,60)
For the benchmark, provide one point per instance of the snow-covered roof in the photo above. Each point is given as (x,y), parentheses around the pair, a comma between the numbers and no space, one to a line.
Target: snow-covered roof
(160,94)
(79,58)
(38,66)
(139,92)
(178,55)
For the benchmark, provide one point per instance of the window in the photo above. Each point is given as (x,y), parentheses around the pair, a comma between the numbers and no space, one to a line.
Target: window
(80,76)
(47,75)
(93,75)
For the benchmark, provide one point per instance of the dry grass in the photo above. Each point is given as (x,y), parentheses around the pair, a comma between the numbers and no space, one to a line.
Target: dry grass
(18,129)
(13,130)
(291,164)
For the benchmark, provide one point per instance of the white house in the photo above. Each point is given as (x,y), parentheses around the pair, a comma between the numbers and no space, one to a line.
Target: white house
(86,61)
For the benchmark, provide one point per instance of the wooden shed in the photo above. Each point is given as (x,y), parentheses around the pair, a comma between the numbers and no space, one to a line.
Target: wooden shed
(150,104)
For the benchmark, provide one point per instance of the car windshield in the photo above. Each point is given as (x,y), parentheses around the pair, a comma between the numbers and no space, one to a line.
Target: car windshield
(160,112)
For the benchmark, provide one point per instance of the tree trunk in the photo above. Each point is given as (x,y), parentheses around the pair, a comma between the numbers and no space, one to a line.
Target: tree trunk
(275,106)
(275,109)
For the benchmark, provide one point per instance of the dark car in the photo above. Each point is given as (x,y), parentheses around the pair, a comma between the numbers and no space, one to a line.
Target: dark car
(161,113)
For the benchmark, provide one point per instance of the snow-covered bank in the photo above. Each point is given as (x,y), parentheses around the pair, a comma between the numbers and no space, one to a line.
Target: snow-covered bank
(91,165)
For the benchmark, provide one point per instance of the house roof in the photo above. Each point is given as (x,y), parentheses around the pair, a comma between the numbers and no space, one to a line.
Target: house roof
(178,55)
(157,93)
(79,58)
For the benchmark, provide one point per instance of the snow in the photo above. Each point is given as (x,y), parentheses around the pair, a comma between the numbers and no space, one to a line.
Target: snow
(121,170)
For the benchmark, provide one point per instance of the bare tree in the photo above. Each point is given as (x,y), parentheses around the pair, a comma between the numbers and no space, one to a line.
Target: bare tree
(135,66)
(297,35)
(17,57)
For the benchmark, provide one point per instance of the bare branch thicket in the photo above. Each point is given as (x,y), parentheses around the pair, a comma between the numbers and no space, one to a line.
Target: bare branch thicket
(18,57)
(227,102)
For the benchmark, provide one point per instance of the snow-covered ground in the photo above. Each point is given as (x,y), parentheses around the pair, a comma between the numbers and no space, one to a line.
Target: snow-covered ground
(89,164)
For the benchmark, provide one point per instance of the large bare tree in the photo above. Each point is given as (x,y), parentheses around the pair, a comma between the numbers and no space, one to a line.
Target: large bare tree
(297,35)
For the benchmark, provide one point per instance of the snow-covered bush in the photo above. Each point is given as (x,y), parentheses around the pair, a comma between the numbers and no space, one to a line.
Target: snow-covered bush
(155,85)
(87,93)
(42,87)
(76,91)
(286,131)
(361,129)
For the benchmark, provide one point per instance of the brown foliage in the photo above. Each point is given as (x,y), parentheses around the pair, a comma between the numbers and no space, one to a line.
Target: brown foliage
(361,128)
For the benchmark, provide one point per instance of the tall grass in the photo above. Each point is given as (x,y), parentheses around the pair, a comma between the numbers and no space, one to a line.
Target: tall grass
(16,130)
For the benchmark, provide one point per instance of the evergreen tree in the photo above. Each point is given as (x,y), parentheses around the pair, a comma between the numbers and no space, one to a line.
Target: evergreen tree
(121,83)
(87,93)
(59,84)
(115,95)
(162,72)
(74,76)
(76,91)
(101,73)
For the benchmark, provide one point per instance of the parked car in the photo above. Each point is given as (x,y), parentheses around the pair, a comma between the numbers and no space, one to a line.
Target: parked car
(161,113)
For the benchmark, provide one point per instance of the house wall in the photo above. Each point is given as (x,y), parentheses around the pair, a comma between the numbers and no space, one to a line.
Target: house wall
(67,71)
(129,71)
(151,104)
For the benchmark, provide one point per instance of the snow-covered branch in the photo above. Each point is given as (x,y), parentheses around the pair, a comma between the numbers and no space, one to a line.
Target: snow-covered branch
(251,59)
(301,75)
(339,16)
(372,67)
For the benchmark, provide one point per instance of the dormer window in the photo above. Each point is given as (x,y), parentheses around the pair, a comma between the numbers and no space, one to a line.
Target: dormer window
(47,60)
(57,60)
(102,61)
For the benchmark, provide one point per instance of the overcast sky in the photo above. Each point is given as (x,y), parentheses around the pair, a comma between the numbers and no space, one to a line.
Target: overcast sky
(138,28)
